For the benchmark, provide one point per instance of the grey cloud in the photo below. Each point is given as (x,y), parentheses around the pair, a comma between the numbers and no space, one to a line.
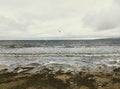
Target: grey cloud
(105,20)
(8,24)
(46,17)
(117,1)
(13,3)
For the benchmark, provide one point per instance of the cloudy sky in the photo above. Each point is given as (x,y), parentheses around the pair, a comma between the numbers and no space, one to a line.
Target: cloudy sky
(59,19)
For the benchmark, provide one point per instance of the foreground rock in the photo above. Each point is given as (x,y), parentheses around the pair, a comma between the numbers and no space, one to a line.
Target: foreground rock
(49,79)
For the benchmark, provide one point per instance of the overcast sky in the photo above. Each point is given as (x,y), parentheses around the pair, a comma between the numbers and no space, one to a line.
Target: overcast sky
(59,19)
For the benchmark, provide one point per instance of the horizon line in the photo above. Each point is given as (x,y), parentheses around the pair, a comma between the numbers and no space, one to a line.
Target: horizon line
(66,38)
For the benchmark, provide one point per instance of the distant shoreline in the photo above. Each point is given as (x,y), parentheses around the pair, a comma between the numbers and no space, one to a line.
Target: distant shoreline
(60,54)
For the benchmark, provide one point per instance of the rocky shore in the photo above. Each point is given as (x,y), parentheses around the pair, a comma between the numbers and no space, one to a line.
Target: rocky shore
(59,77)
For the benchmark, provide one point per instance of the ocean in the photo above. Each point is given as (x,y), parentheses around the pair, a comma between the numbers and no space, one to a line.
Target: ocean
(71,53)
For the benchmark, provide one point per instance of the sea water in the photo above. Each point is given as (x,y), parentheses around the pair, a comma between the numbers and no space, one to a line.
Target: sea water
(103,46)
